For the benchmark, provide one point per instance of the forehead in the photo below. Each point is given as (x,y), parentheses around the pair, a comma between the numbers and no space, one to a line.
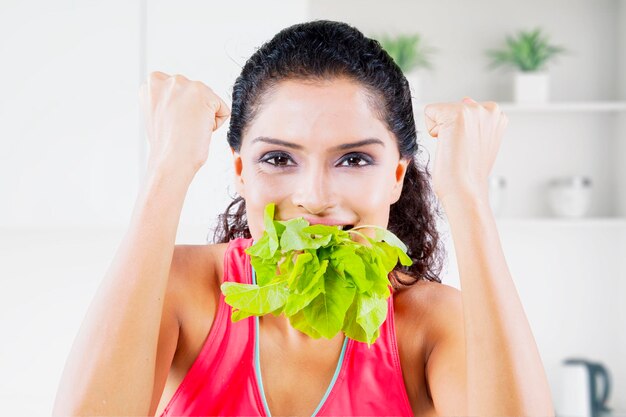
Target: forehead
(330,111)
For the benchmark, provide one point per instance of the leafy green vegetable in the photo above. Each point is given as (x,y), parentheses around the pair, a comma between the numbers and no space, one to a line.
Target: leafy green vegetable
(320,278)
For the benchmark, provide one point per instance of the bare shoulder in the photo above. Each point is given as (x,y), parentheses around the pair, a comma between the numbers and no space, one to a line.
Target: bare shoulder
(427,297)
(430,306)
(196,268)
(198,256)
(196,277)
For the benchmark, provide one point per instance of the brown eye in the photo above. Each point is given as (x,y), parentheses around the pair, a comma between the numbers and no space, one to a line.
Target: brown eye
(277,159)
(356,160)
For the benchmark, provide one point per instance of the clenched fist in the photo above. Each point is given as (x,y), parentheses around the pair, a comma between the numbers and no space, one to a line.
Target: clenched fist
(469,136)
(180,116)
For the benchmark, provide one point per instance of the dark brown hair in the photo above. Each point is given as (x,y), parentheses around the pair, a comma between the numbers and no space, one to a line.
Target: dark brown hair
(323,50)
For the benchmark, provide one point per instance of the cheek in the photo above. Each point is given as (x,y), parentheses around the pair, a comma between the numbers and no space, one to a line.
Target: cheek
(370,202)
(366,190)
(370,198)
(262,189)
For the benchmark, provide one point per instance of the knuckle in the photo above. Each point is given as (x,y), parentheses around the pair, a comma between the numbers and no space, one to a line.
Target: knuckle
(201,87)
(213,104)
(157,76)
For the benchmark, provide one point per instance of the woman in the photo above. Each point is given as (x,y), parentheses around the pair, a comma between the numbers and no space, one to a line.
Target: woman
(322,126)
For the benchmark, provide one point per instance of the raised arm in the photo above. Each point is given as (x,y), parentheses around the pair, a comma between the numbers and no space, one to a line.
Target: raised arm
(111,367)
(485,361)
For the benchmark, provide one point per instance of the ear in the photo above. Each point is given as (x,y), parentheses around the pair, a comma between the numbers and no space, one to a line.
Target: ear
(238,164)
(399,177)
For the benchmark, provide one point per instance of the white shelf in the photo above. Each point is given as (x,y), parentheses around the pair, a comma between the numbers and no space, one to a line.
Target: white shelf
(562,106)
(610,222)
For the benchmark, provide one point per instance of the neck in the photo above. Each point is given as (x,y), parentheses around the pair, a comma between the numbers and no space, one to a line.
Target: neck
(281,328)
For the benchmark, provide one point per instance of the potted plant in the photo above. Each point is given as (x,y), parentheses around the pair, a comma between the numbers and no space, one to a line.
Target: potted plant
(409,52)
(529,53)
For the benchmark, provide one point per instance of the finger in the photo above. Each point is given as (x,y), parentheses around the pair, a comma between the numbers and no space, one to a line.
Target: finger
(154,80)
(180,78)
(222,111)
(492,106)
(435,114)
(156,76)
(222,115)
(503,120)
(470,102)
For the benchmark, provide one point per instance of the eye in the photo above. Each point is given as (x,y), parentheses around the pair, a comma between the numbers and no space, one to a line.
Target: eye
(356,159)
(280,159)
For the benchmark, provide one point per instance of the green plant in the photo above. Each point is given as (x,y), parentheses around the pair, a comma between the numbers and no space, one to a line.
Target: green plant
(529,51)
(407,50)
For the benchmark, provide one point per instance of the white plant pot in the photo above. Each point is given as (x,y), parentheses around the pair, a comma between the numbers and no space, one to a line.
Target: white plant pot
(531,87)
(414,78)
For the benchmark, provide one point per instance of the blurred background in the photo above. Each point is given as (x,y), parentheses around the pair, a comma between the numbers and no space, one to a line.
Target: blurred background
(72,153)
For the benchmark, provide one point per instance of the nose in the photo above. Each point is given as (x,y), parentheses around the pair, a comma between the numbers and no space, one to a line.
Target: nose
(313,190)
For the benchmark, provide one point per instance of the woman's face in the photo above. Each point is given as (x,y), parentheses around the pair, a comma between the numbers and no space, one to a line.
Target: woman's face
(317,151)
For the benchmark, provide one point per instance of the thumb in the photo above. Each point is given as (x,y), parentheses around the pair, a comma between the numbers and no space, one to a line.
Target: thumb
(435,115)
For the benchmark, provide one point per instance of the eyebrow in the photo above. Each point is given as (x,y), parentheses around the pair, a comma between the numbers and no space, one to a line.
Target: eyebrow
(343,146)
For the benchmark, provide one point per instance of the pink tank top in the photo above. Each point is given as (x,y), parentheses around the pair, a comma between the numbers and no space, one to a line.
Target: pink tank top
(225,378)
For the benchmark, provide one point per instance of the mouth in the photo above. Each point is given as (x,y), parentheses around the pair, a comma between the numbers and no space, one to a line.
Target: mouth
(329,222)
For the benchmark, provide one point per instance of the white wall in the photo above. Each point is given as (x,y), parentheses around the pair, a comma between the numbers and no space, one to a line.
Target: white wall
(68,113)
(70,157)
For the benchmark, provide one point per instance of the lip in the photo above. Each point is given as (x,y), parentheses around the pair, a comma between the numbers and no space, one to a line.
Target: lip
(327,222)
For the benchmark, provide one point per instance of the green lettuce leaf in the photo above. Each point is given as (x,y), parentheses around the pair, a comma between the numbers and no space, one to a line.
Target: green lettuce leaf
(321,279)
